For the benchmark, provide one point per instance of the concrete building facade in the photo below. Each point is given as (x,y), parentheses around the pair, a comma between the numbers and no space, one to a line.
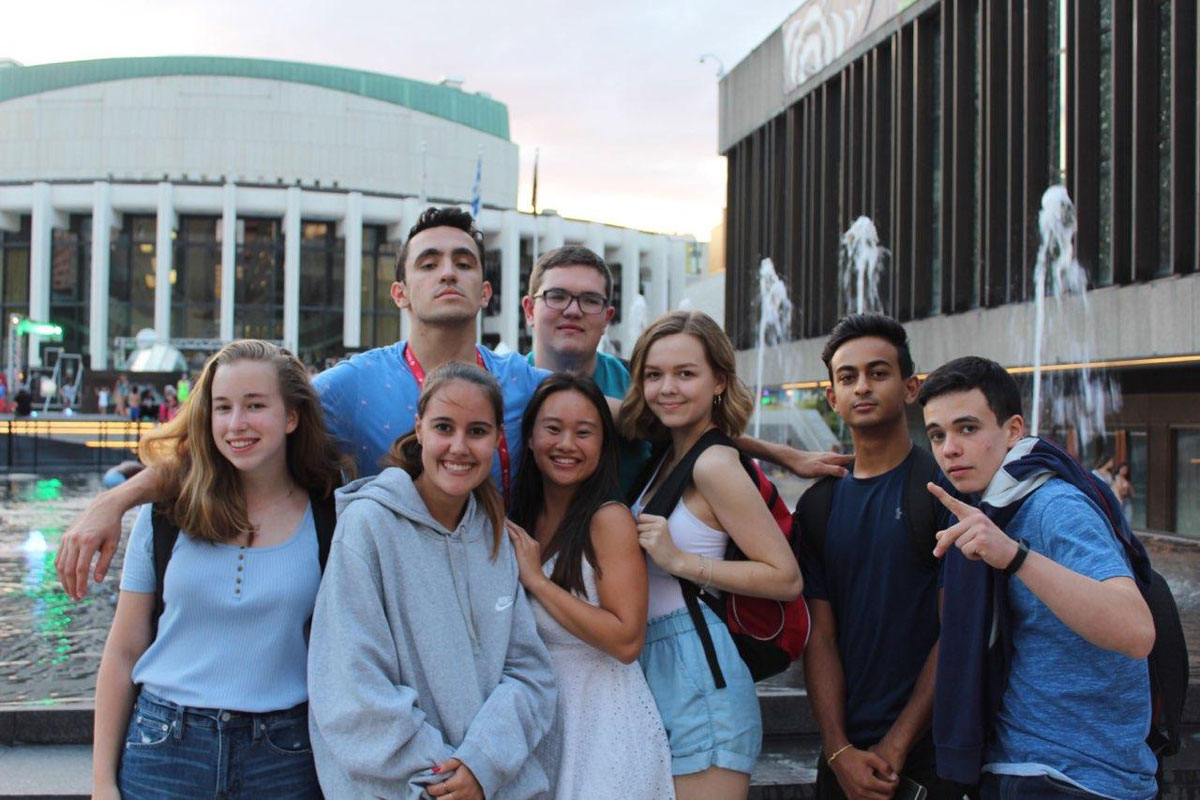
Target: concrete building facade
(944,121)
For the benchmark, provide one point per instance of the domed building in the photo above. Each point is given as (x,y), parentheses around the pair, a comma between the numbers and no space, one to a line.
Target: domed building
(210,198)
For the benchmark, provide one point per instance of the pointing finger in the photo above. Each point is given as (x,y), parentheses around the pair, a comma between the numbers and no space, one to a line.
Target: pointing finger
(956,507)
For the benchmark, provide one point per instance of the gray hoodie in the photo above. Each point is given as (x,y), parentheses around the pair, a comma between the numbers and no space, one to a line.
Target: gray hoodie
(423,649)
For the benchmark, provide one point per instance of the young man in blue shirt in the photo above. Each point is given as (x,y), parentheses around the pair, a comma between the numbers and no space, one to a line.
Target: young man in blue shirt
(370,399)
(872,653)
(1075,706)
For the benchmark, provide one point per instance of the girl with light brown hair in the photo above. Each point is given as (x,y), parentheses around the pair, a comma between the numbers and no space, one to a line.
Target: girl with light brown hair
(207,653)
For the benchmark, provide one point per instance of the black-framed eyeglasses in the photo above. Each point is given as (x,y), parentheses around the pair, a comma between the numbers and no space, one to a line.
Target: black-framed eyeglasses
(561,299)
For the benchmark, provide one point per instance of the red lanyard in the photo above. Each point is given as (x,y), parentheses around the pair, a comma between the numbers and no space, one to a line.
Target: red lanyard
(419,373)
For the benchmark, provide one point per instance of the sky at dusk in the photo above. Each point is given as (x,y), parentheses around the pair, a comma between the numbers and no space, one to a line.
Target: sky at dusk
(612,93)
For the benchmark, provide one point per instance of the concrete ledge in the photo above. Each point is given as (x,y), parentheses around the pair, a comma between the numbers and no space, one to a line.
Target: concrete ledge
(65,724)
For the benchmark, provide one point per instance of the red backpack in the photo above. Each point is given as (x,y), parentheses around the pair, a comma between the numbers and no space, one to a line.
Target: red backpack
(769,634)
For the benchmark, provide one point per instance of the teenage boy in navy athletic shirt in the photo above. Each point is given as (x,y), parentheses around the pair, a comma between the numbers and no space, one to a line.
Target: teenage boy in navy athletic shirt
(872,653)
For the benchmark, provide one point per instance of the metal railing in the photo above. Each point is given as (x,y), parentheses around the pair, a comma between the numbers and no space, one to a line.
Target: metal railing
(31,444)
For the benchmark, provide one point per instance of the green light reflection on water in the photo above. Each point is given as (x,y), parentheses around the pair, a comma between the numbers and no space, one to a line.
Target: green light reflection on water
(48,489)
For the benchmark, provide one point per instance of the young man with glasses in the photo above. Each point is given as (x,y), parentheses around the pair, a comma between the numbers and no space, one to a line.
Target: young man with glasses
(568,308)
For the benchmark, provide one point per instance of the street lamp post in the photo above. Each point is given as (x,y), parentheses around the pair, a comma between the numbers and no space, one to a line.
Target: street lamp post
(17,327)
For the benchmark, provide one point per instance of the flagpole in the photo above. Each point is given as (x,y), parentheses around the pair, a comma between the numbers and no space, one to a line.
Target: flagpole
(536,153)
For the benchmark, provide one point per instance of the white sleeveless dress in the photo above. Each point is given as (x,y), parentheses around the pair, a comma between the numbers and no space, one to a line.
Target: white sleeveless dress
(608,741)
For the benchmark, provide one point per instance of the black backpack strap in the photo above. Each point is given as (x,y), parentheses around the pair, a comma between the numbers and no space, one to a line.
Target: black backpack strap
(165,534)
(812,515)
(691,598)
(670,492)
(668,495)
(920,506)
(325,521)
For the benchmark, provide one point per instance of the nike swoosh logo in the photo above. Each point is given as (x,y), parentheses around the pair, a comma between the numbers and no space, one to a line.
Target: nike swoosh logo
(503,603)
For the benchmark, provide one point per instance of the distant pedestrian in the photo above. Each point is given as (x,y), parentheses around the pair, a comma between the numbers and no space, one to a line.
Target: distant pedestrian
(134,401)
(1122,487)
(121,396)
(102,399)
(1104,469)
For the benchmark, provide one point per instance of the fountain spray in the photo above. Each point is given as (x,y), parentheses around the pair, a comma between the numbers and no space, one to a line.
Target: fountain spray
(774,326)
(860,265)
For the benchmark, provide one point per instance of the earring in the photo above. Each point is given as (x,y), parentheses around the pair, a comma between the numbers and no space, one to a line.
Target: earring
(718,399)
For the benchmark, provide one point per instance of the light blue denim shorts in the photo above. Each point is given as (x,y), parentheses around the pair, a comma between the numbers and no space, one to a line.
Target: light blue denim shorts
(707,726)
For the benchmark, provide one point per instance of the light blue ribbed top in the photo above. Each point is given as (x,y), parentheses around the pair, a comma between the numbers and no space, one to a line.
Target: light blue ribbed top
(234,628)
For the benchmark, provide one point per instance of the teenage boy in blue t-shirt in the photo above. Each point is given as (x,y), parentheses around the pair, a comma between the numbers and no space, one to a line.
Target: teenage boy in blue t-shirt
(1075,710)
(872,653)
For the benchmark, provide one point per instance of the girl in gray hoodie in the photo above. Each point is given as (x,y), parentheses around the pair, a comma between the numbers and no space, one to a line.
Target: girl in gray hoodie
(426,674)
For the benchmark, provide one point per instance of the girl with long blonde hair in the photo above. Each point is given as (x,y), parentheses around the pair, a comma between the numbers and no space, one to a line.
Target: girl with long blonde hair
(685,385)
(203,687)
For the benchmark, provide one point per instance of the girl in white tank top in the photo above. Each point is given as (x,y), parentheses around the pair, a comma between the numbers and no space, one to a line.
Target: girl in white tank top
(684,383)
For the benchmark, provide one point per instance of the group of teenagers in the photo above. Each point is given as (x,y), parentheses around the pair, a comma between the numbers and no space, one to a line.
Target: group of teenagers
(490,611)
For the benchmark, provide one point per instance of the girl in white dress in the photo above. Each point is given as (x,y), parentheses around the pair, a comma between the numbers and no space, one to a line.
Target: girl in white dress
(581,564)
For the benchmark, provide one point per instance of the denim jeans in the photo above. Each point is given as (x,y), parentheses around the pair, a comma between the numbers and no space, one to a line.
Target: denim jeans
(176,753)
(1027,787)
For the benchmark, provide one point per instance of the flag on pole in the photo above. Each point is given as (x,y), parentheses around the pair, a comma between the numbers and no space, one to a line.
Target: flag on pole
(475,188)
(535,166)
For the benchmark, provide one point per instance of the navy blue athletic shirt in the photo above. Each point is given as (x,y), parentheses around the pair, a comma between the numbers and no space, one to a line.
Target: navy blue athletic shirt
(883,597)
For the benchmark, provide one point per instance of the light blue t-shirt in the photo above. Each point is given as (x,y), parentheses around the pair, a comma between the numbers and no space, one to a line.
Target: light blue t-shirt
(234,629)
(370,400)
(1072,710)
(613,379)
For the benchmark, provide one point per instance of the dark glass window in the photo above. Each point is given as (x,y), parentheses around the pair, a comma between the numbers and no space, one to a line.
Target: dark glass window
(14,276)
(1163,138)
(935,259)
(70,282)
(258,298)
(322,292)
(131,276)
(1104,267)
(1056,77)
(196,279)
(380,316)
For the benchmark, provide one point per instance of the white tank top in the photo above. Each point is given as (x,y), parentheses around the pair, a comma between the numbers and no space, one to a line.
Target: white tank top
(691,535)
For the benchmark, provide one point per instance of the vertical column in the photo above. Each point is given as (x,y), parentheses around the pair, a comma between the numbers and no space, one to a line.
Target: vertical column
(43,221)
(656,303)
(102,225)
(164,251)
(352,231)
(677,252)
(595,238)
(228,259)
(411,213)
(631,266)
(291,271)
(554,233)
(510,278)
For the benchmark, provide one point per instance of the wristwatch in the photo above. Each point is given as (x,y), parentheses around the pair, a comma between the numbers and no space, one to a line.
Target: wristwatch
(1018,559)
